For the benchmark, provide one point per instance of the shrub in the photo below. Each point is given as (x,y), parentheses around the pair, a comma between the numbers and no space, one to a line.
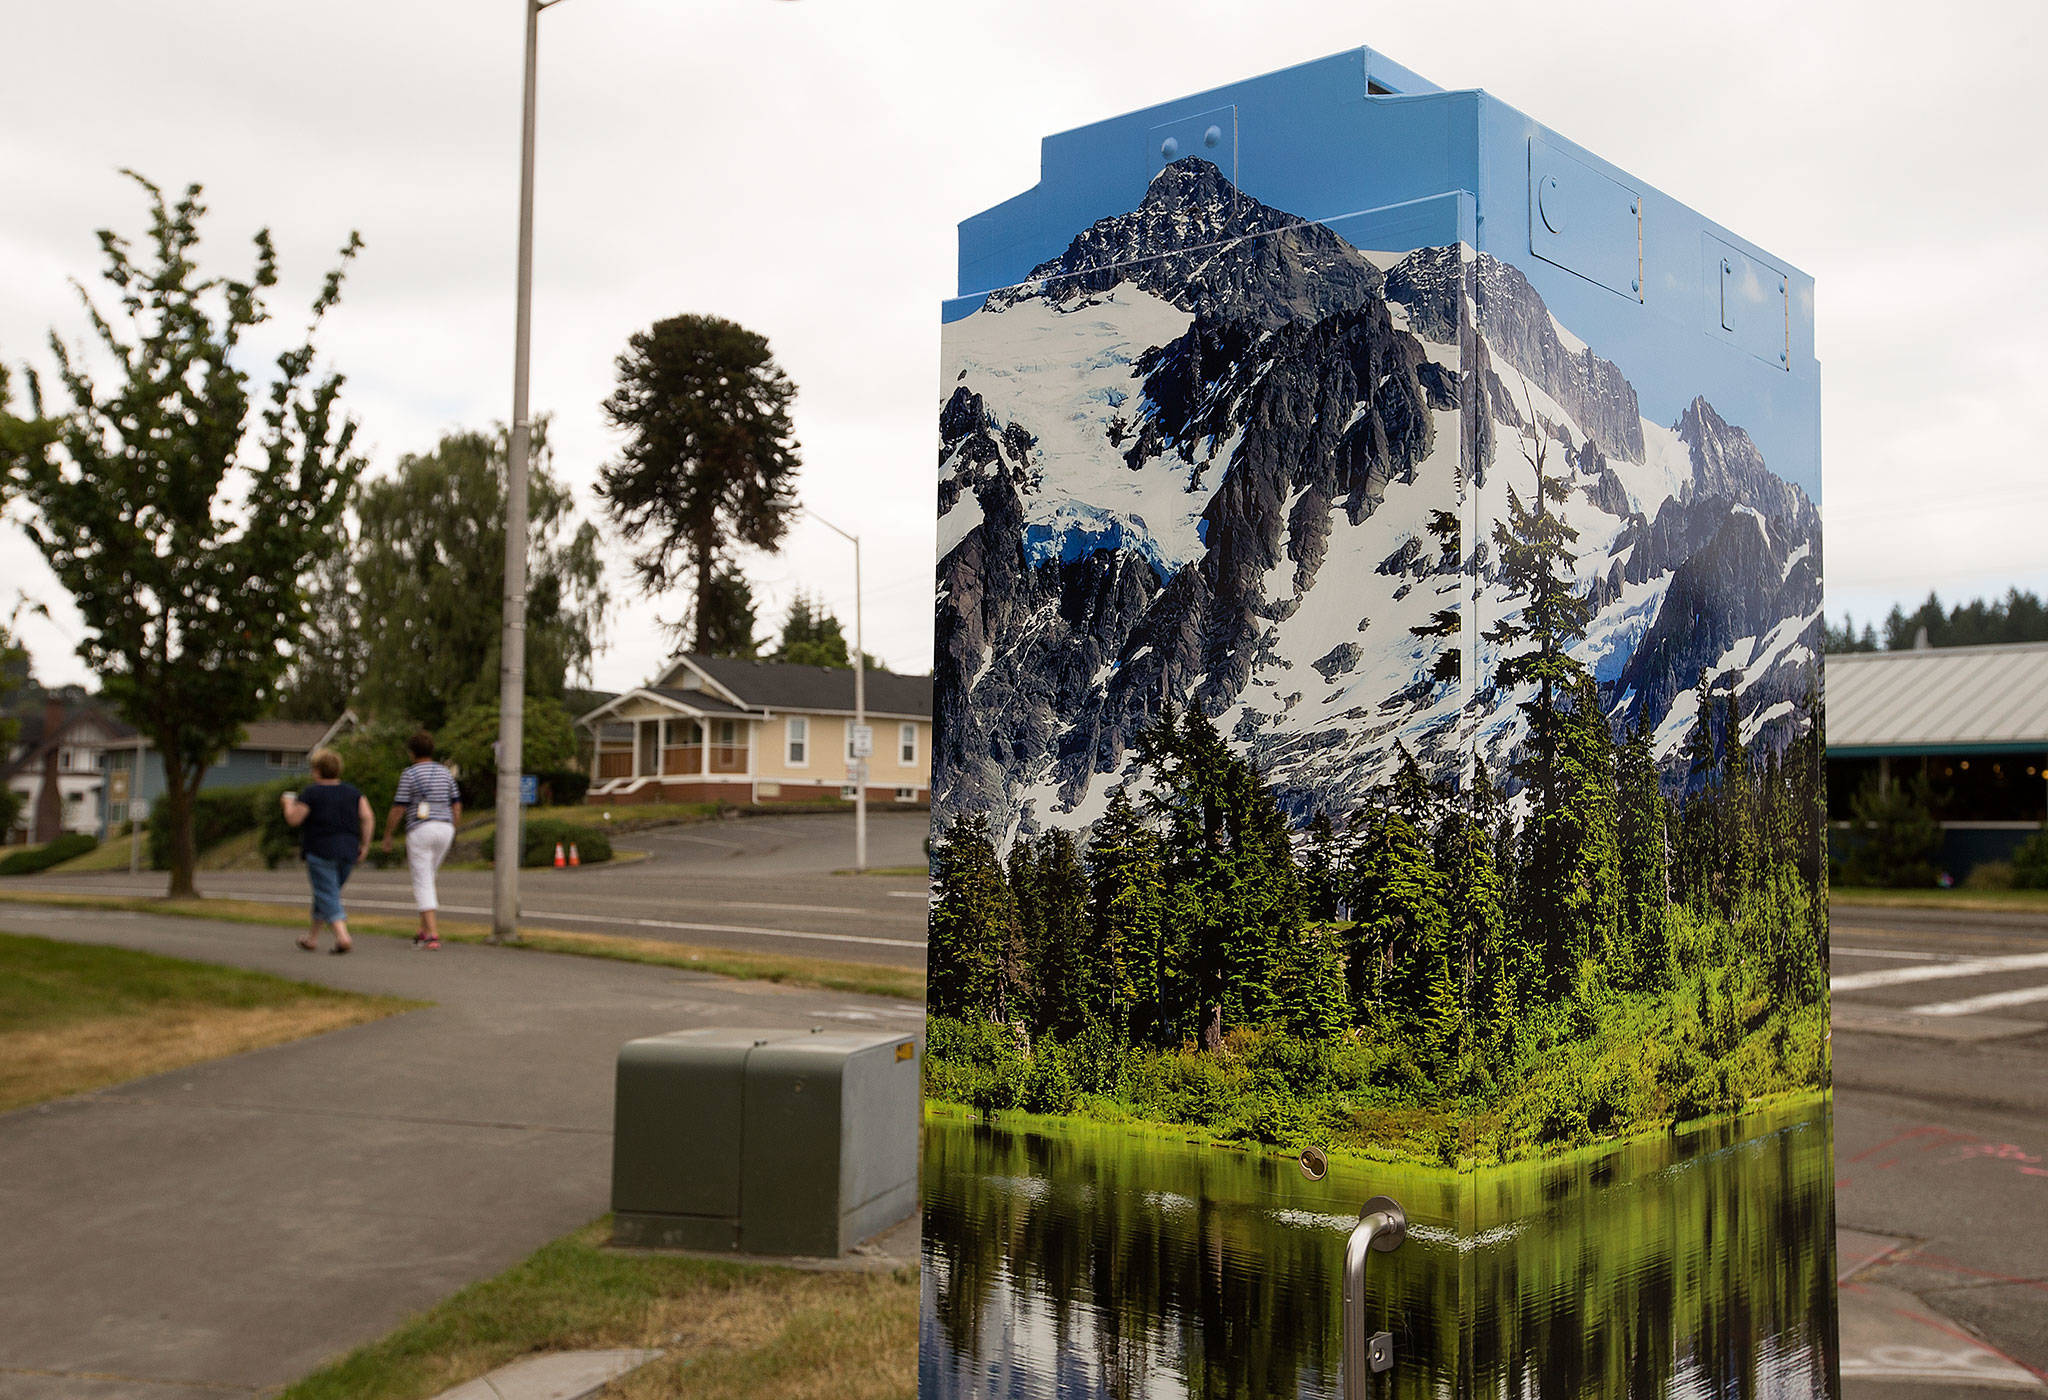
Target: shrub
(973,1062)
(69,846)
(1049,1085)
(2030,862)
(1899,837)
(547,745)
(1990,875)
(537,843)
(218,814)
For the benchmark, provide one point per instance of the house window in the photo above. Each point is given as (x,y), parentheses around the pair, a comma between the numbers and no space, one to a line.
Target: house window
(682,733)
(798,729)
(848,791)
(906,794)
(906,745)
(729,733)
(285,759)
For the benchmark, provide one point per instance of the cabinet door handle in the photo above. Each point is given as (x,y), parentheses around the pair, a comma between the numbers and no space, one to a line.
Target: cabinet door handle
(1382,1226)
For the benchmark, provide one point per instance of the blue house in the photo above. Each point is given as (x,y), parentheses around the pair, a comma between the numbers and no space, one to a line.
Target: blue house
(271,748)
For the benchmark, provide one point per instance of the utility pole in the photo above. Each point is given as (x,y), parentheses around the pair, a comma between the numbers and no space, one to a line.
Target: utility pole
(512,643)
(860,706)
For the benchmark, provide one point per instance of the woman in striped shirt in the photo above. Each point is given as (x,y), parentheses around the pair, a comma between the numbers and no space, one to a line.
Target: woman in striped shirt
(429,804)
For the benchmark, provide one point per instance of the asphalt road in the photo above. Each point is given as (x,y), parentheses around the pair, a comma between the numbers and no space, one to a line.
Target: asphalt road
(1941,1148)
(760,884)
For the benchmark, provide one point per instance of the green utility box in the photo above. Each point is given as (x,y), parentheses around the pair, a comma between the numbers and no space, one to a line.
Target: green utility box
(765,1142)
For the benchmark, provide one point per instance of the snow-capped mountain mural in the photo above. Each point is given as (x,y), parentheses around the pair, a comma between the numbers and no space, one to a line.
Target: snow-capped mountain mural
(1216,456)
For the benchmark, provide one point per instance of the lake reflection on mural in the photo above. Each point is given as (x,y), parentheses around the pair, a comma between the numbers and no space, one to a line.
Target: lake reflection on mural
(1078,1261)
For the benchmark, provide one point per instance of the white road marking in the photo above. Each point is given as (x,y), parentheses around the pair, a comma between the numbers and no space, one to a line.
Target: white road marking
(1968,967)
(1895,953)
(908,894)
(1990,1001)
(672,924)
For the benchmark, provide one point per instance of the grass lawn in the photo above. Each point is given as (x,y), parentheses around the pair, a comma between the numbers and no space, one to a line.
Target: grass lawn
(728,1329)
(870,979)
(75,1016)
(111,854)
(2011,901)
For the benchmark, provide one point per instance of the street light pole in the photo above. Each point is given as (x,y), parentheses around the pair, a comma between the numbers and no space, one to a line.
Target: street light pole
(860,705)
(512,643)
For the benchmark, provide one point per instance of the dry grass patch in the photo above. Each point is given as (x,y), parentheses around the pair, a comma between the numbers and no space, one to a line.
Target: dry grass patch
(726,1329)
(76,1017)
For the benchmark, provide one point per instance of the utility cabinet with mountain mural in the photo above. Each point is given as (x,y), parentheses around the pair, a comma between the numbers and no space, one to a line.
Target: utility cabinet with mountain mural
(1379,755)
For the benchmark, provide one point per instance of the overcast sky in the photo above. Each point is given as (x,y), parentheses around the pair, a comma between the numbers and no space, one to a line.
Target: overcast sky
(800,167)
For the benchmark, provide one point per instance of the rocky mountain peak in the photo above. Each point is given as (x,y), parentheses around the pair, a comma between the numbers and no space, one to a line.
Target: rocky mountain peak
(1200,243)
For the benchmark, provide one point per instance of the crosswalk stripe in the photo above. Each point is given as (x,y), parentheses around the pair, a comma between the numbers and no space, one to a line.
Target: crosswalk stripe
(1990,1001)
(1969,967)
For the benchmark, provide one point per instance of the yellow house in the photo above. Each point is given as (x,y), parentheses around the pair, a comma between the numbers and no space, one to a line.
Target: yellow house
(718,727)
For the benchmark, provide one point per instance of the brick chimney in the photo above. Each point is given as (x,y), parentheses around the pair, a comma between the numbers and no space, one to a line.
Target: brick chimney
(49,819)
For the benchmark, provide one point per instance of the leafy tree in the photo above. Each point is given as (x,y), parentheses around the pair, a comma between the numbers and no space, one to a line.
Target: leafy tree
(331,658)
(13,667)
(1643,961)
(1846,638)
(1899,839)
(430,578)
(710,461)
(180,510)
(1065,1000)
(469,739)
(1444,622)
(731,616)
(811,635)
(1127,902)
(975,952)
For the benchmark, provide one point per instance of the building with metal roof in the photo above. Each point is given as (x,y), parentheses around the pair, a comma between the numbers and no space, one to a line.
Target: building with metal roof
(1971,721)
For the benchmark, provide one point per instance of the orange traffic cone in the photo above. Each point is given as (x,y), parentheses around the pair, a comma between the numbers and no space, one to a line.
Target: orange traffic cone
(574,859)
(559,862)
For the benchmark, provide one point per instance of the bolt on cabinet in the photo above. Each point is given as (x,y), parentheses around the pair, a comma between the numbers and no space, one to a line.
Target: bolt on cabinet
(1378,938)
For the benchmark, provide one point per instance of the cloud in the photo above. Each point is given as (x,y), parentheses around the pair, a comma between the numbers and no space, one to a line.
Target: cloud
(800,168)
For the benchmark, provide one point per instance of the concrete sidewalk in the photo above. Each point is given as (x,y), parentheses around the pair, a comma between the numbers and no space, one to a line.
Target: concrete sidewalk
(226,1229)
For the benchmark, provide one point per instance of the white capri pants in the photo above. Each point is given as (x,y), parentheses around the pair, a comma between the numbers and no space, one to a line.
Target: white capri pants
(426,846)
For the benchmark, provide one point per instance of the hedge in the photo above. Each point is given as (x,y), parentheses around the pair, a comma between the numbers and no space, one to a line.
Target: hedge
(69,846)
(538,847)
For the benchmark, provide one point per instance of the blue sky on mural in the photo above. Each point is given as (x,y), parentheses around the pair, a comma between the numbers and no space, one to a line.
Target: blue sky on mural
(802,167)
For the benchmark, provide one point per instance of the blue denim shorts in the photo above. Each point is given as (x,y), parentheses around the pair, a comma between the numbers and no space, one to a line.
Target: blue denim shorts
(328,876)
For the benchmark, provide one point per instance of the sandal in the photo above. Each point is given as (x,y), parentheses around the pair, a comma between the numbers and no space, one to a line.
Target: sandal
(309,943)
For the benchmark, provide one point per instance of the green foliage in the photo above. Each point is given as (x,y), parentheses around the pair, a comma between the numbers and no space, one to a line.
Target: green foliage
(372,757)
(13,660)
(1897,838)
(1451,977)
(1049,1085)
(811,636)
(219,814)
(69,846)
(180,507)
(429,579)
(709,464)
(539,838)
(547,744)
(2030,862)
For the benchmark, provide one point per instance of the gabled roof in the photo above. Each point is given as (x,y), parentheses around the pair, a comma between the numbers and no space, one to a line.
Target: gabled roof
(694,702)
(776,685)
(1944,698)
(296,735)
(32,739)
